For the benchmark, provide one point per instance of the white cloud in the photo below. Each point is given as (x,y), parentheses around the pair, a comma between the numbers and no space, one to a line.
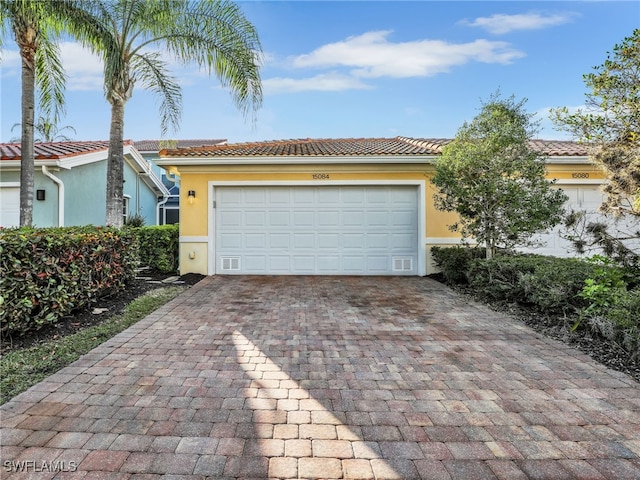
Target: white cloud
(9,63)
(83,68)
(326,82)
(500,23)
(373,55)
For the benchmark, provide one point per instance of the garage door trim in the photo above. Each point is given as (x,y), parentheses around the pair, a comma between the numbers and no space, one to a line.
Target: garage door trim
(420,184)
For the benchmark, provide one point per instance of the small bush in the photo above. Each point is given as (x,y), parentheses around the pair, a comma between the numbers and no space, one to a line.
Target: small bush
(548,284)
(454,262)
(159,247)
(47,273)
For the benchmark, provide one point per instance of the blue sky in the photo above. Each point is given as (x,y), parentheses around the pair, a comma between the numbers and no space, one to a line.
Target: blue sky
(366,69)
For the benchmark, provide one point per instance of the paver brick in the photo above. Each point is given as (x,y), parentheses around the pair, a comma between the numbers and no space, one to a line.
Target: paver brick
(319,468)
(329,377)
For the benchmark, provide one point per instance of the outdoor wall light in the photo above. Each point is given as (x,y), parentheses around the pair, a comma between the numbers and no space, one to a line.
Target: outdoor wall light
(191,195)
(39,194)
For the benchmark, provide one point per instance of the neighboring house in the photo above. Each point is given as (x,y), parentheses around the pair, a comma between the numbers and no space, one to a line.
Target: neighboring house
(169,211)
(70,184)
(336,206)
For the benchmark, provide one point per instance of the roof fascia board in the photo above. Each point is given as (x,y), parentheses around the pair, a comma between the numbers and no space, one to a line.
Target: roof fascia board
(568,159)
(83,159)
(142,167)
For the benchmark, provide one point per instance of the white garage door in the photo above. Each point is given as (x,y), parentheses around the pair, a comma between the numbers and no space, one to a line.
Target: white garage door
(325,230)
(586,198)
(9,206)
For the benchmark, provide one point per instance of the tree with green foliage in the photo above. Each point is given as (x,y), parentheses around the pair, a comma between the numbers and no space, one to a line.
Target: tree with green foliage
(610,124)
(35,25)
(139,36)
(46,131)
(491,177)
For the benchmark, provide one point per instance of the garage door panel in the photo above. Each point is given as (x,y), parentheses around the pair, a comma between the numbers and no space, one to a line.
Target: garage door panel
(231,241)
(328,264)
(377,219)
(317,229)
(328,218)
(255,263)
(279,196)
(304,264)
(378,241)
(230,219)
(354,263)
(279,219)
(255,240)
(255,219)
(353,240)
(9,207)
(279,240)
(329,240)
(353,218)
(304,218)
(378,264)
(279,263)
(304,241)
(353,196)
(257,196)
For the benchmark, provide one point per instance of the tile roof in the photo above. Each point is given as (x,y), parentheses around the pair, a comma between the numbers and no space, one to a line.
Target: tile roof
(308,147)
(156,145)
(54,150)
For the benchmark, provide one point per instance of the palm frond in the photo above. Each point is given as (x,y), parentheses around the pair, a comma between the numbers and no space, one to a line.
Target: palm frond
(154,75)
(50,79)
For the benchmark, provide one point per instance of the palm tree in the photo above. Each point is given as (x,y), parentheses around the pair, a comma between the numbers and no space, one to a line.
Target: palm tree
(212,34)
(34,28)
(47,131)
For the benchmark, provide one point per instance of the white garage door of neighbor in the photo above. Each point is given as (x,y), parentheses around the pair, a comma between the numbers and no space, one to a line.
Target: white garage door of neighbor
(317,230)
(9,206)
(587,198)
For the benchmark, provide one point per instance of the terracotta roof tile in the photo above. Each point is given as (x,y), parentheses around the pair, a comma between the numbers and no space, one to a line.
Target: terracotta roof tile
(352,147)
(307,147)
(155,145)
(54,150)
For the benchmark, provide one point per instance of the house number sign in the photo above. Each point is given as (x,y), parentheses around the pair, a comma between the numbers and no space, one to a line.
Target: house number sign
(320,176)
(580,175)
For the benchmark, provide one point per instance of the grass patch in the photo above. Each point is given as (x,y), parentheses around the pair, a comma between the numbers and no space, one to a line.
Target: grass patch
(21,369)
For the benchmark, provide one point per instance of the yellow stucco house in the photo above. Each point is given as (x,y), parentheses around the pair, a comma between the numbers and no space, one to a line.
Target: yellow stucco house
(332,206)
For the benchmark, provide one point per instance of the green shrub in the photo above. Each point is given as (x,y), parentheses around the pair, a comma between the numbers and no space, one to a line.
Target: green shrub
(159,247)
(548,284)
(454,262)
(47,273)
(625,318)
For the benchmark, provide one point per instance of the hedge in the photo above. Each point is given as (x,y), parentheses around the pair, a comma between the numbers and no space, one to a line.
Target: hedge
(159,247)
(45,274)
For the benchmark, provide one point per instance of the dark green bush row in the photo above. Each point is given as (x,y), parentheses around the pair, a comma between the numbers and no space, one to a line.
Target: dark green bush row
(548,284)
(47,273)
(159,247)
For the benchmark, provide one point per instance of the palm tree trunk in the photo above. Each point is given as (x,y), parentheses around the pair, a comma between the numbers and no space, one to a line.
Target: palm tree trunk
(115,165)
(27,154)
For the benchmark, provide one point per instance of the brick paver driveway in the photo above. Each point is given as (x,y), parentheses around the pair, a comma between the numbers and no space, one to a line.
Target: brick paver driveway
(327,377)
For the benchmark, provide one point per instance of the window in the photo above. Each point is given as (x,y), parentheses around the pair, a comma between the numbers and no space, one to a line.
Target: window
(126,200)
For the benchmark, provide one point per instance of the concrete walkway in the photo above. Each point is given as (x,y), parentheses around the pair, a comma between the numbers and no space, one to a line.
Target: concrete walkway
(326,377)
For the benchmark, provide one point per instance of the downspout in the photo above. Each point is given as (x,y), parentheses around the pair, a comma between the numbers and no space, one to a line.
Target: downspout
(57,181)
